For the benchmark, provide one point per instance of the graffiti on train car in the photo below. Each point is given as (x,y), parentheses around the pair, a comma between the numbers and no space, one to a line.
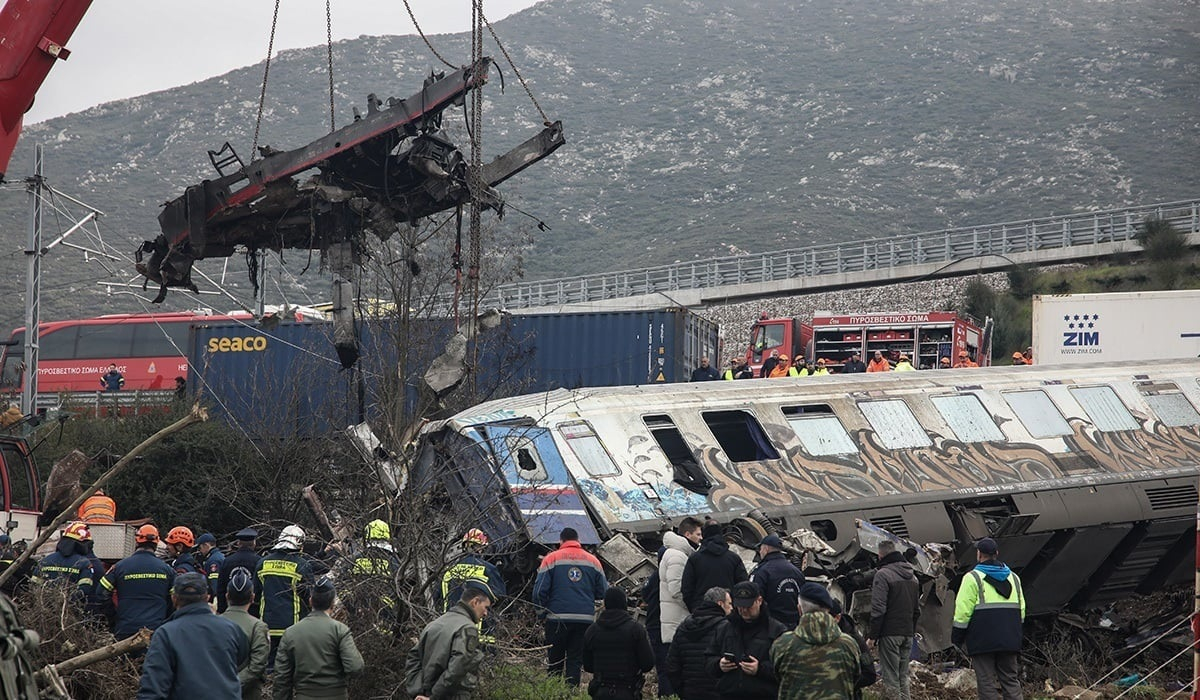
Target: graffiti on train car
(947,465)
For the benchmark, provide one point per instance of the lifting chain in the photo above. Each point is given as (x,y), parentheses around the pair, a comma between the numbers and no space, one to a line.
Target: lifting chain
(329,52)
(517,72)
(262,97)
(425,38)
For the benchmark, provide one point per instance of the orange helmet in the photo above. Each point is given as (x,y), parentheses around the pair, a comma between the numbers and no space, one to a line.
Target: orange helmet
(146,533)
(476,536)
(78,531)
(180,535)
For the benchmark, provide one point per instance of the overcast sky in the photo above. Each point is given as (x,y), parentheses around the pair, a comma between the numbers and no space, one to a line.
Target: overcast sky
(124,48)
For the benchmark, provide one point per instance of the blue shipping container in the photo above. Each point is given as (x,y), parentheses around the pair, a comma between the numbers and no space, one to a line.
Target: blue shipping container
(287,380)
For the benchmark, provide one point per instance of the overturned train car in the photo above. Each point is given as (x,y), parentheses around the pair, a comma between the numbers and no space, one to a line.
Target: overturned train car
(1087,475)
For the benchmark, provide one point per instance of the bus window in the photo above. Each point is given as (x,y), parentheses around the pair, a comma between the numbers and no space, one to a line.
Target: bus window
(20,486)
(688,472)
(58,345)
(160,339)
(740,435)
(105,341)
(14,357)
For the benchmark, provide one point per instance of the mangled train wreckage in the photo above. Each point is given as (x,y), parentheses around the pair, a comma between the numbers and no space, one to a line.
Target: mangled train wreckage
(1087,475)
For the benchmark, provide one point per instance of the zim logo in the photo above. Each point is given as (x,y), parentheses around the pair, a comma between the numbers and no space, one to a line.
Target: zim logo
(255,343)
(1081,333)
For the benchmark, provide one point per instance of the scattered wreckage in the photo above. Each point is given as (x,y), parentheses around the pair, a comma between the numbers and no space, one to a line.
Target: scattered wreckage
(1086,475)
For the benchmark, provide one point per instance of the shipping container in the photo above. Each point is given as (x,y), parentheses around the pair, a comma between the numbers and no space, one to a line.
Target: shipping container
(1073,328)
(288,381)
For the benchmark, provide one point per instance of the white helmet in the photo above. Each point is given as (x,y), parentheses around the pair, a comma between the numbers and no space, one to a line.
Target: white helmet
(292,537)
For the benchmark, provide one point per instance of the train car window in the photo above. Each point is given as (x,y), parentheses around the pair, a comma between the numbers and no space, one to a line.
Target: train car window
(587,449)
(1105,409)
(1037,413)
(525,455)
(740,435)
(59,345)
(967,417)
(687,471)
(20,487)
(1171,406)
(895,424)
(819,431)
(105,341)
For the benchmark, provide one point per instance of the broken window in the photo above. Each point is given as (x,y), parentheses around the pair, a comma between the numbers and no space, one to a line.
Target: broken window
(588,450)
(687,471)
(1037,413)
(895,424)
(525,456)
(1102,405)
(967,417)
(820,432)
(740,435)
(1171,406)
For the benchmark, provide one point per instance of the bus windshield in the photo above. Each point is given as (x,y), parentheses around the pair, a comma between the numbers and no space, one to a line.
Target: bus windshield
(11,362)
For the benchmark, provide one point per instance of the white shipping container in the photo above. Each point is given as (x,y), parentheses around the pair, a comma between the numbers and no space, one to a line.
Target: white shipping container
(1074,328)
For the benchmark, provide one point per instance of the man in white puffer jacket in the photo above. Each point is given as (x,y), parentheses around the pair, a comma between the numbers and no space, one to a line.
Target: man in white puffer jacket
(670,575)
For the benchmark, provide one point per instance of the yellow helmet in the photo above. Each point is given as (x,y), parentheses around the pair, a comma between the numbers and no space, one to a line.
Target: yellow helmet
(377,530)
(78,531)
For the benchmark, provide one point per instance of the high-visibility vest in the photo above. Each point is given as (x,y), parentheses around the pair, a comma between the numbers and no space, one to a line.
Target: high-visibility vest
(98,509)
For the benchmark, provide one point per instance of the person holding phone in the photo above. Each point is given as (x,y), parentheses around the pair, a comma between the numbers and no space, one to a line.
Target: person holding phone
(739,656)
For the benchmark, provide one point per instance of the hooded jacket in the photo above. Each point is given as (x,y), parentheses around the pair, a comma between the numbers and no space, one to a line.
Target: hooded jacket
(989,610)
(816,661)
(712,565)
(686,660)
(616,650)
(895,596)
(742,639)
(672,609)
(68,562)
(779,582)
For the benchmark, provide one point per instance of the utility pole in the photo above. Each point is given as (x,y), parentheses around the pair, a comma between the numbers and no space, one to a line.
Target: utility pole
(33,286)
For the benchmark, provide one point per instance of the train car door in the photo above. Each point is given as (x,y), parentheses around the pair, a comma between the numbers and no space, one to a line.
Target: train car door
(539,483)
(18,490)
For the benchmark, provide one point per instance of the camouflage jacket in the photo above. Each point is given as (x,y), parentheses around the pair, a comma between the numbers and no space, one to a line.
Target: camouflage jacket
(816,661)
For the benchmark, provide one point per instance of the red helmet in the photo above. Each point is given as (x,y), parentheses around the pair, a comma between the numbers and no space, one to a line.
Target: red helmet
(476,536)
(181,535)
(78,531)
(146,533)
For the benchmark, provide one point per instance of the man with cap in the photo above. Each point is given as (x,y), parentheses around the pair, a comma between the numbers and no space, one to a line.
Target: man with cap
(964,360)
(253,673)
(713,565)
(1018,360)
(141,584)
(778,581)
(895,607)
(739,656)
(445,662)
(317,655)
(816,661)
(944,362)
(989,611)
(569,581)
(243,557)
(211,559)
(285,577)
(903,364)
(616,651)
(195,654)
(854,365)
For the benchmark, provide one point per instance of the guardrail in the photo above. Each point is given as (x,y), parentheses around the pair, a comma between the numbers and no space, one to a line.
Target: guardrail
(947,246)
(103,403)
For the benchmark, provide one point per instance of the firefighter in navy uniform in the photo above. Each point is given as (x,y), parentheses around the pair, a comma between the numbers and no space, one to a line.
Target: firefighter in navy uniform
(244,557)
(473,567)
(373,571)
(8,555)
(211,559)
(286,578)
(142,585)
(69,562)
(180,542)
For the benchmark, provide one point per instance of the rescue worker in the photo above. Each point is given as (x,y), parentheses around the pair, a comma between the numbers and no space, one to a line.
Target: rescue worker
(112,380)
(473,567)
(98,508)
(211,559)
(821,370)
(95,602)
(445,662)
(179,545)
(903,365)
(964,360)
(374,573)
(989,611)
(879,363)
(741,370)
(68,562)
(769,365)
(569,581)
(285,577)
(9,552)
(778,581)
(253,673)
(944,363)
(1029,355)
(244,557)
(141,584)
(1018,360)
(317,655)
(783,368)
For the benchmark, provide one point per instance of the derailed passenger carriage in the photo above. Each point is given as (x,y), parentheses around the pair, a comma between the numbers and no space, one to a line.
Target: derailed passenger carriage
(1086,475)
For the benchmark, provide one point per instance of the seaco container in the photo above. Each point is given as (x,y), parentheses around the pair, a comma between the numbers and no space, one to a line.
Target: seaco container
(287,380)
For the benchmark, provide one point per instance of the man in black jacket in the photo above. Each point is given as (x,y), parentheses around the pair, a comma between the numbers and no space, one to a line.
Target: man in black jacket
(778,581)
(686,663)
(895,607)
(616,651)
(739,656)
(712,566)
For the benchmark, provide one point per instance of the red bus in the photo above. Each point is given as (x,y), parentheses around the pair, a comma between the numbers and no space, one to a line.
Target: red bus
(150,350)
